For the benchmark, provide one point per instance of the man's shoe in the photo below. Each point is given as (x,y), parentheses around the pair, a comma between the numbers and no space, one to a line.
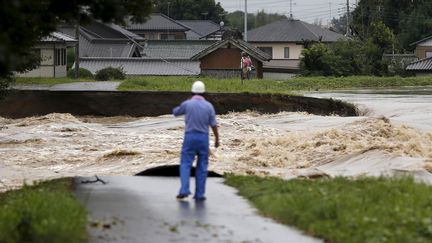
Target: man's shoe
(181,196)
(200,198)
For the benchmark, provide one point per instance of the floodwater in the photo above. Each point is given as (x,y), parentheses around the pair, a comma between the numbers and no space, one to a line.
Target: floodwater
(393,135)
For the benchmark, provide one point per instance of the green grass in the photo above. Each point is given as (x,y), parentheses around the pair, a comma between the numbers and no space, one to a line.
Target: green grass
(344,210)
(183,83)
(46,212)
(171,83)
(271,86)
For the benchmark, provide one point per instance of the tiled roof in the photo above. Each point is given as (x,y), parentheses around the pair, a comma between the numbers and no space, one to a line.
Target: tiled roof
(104,40)
(98,30)
(106,48)
(140,66)
(290,30)
(174,49)
(201,27)
(242,45)
(156,22)
(58,37)
(421,41)
(420,65)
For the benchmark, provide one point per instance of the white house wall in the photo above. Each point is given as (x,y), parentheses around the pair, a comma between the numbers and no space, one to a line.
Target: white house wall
(278,49)
(426,43)
(46,68)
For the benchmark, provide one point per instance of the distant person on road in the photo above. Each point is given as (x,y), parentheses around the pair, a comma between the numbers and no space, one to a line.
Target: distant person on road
(199,116)
(245,65)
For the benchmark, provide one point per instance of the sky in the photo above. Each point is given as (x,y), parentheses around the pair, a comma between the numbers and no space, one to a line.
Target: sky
(306,10)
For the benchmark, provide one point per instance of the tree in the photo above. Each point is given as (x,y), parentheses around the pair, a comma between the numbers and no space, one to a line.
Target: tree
(255,20)
(24,22)
(409,20)
(191,9)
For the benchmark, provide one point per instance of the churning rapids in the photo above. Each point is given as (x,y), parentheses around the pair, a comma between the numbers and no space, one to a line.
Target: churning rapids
(393,135)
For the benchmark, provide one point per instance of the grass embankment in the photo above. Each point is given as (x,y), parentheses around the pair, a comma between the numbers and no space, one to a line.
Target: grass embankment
(343,210)
(180,83)
(46,212)
(271,86)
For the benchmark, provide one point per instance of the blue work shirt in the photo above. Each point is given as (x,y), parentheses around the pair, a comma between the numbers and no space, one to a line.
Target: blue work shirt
(199,114)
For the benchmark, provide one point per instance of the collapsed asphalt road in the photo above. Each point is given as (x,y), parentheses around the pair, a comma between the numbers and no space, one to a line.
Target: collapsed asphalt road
(144,209)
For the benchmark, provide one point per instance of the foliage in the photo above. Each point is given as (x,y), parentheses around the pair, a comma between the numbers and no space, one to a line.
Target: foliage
(344,210)
(191,9)
(46,212)
(110,73)
(348,57)
(409,20)
(83,73)
(255,20)
(70,54)
(23,23)
(4,84)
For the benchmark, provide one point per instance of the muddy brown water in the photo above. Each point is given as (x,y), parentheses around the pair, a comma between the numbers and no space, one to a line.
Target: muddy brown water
(394,132)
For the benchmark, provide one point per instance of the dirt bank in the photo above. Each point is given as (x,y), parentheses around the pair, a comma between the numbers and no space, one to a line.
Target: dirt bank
(25,103)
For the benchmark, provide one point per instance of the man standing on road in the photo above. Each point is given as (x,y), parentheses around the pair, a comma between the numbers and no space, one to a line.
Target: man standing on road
(199,115)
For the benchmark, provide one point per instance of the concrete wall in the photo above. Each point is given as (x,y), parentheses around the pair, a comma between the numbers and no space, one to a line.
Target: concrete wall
(278,76)
(24,103)
(225,73)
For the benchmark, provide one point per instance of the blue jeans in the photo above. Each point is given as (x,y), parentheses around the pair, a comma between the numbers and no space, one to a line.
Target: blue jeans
(194,143)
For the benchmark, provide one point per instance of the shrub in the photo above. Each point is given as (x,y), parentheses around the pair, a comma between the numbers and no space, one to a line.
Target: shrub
(83,73)
(110,73)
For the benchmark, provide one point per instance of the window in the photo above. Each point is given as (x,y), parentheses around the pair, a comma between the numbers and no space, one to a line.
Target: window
(428,54)
(268,50)
(56,57)
(63,62)
(286,52)
(167,37)
(60,57)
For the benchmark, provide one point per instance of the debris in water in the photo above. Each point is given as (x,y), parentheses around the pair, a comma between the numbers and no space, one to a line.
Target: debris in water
(121,152)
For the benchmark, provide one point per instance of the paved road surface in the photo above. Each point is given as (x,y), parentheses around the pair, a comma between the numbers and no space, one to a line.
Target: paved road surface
(77,86)
(144,209)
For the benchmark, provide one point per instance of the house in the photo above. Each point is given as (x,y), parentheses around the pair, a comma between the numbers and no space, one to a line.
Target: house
(97,39)
(52,50)
(202,29)
(422,67)
(158,27)
(423,52)
(284,41)
(158,58)
(143,66)
(222,59)
(423,48)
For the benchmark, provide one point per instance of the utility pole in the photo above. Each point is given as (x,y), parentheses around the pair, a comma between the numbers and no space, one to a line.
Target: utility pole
(77,34)
(291,15)
(168,17)
(330,17)
(348,19)
(245,22)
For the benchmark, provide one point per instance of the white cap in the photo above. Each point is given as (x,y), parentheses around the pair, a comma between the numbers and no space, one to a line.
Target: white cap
(198,87)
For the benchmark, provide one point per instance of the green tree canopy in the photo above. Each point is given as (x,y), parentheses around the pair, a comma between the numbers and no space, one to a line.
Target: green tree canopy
(409,20)
(191,9)
(24,22)
(255,20)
